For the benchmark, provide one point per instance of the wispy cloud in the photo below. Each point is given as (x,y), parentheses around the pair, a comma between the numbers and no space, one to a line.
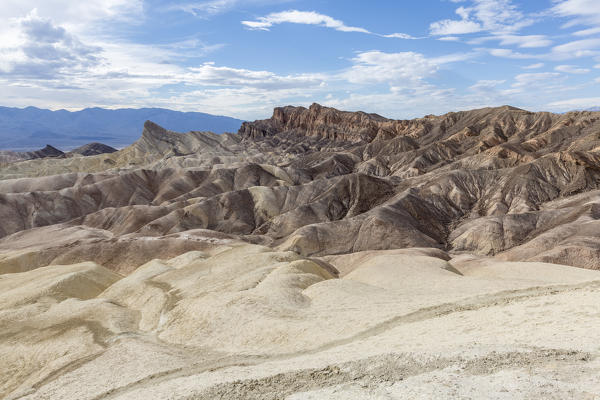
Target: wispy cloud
(209,74)
(578,48)
(210,8)
(522,41)
(392,68)
(584,12)
(508,53)
(206,8)
(454,27)
(534,66)
(576,103)
(539,81)
(486,84)
(587,32)
(399,36)
(312,18)
(301,17)
(571,69)
(565,51)
(529,78)
(500,17)
(449,39)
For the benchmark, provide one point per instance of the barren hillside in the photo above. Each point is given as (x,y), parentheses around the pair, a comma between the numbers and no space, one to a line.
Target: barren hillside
(315,254)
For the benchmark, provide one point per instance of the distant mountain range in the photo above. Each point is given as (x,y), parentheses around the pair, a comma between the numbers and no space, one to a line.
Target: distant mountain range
(32,128)
(90,149)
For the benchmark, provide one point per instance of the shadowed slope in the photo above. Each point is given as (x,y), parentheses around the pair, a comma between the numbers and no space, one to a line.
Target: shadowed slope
(321,181)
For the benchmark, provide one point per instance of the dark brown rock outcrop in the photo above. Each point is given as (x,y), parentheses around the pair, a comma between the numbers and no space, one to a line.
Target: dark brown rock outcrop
(14,156)
(91,149)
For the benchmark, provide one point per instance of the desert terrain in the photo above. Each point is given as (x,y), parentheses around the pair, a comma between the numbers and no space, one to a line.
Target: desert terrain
(318,254)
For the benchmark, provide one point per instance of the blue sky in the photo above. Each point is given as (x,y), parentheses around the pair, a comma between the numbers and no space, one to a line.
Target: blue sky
(401,59)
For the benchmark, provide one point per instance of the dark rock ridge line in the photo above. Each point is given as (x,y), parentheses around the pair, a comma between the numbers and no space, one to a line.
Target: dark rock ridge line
(496,181)
(91,149)
(49,151)
(7,156)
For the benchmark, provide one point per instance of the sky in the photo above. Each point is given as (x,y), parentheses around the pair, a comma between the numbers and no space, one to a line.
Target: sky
(399,58)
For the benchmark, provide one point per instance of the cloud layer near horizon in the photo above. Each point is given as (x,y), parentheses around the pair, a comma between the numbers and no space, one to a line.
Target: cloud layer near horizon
(74,55)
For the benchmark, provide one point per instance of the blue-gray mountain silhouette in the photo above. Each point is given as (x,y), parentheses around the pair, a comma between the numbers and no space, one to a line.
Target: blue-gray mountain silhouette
(32,128)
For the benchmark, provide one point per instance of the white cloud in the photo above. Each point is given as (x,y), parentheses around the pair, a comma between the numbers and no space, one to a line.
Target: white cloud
(70,59)
(486,84)
(45,51)
(523,41)
(399,36)
(75,63)
(377,67)
(449,38)
(312,18)
(570,50)
(405,103)
(209,8)
(499,17)
(454,27)
(584,12)
(243,102)
(403,68)
(210,75)
(587,32)
(508,53)
(206,8)
(534,66)
(301,17)
(48,66)
(539,79)
(565,51)
(77,17)
(248,93)
(578,48)
(571,69)
(576,103)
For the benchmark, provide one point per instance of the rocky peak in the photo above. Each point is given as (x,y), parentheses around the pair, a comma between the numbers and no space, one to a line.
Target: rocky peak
(489,126)
(157,140)
(48,151)
(319,121)
(91,149)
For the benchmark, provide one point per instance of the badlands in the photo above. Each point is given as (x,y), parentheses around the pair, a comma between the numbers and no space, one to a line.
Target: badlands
(319,254)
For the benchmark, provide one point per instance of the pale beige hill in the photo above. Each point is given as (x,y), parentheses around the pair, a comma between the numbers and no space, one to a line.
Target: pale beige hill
(192,325)
(60,244)
(46,323)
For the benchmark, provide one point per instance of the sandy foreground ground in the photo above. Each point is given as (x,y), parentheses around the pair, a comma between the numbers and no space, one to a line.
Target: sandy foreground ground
(247,322)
